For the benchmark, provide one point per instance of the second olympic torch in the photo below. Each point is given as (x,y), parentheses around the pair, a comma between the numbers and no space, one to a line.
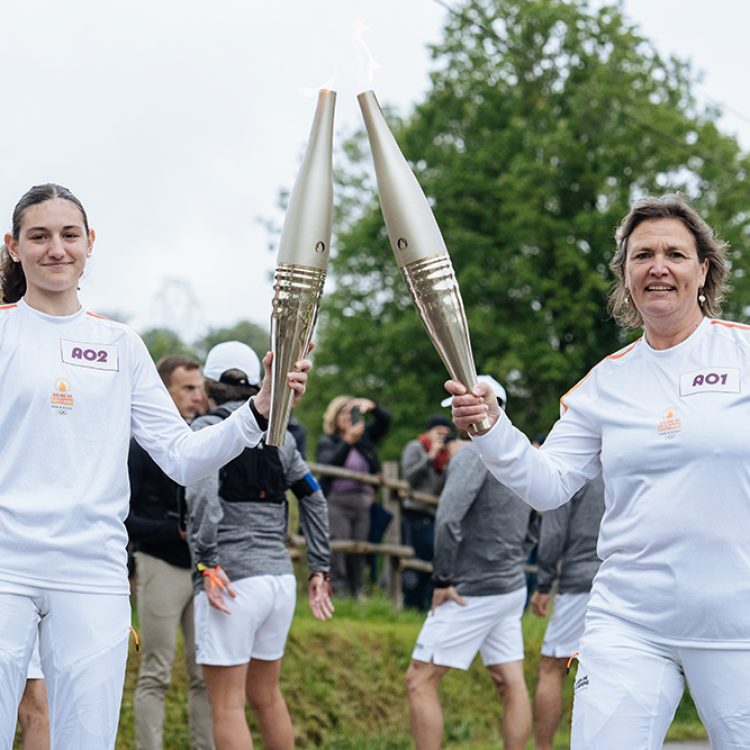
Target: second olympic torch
(302,263)
(420,249)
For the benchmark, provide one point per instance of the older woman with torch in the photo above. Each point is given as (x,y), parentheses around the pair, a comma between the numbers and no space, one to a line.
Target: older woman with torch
(665,420)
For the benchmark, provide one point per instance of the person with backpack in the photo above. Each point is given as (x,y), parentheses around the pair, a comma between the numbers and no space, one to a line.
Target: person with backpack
(243,576)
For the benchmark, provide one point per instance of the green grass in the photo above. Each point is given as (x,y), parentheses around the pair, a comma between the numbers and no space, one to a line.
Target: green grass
(343,681)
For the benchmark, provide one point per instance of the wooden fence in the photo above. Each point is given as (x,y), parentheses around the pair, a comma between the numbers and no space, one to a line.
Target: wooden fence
(392,491)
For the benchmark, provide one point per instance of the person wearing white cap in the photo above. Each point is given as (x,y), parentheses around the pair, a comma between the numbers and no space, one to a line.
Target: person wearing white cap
(482,535)
(243,578)
(75,387)
(665,420)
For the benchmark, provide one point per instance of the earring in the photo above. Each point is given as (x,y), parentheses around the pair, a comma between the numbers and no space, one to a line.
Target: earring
(701,297)
(627,299)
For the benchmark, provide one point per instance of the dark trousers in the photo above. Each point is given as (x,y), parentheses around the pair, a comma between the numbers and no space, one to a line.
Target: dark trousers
(348,518)
(418,531)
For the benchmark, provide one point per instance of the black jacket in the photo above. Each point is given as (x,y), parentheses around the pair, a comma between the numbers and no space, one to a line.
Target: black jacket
(154,518)
(333,450)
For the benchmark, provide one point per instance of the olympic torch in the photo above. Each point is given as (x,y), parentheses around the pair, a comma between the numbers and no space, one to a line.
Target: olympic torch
(302,262)
(420,249)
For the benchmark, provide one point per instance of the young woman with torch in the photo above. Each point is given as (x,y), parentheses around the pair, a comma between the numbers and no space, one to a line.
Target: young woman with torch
(75,386)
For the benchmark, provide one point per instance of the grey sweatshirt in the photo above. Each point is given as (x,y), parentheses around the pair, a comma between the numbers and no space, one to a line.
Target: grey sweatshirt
(247,539)
(419,471)
(483,531)
(568,541)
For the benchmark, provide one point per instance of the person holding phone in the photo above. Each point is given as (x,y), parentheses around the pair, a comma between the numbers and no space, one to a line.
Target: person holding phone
(352,427)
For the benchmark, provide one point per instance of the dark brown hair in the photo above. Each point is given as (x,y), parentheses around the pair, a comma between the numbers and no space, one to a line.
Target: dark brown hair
(12,278)
(167,365)
(221,392)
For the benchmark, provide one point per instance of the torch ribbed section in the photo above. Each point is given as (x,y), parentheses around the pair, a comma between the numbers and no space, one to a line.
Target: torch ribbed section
(297,291)
(434,288)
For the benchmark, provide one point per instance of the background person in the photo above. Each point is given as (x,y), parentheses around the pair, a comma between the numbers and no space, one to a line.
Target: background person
(566,555)
(665,421)
(33,716)
(481,542)
(244,580)
(75,387)
(423,465)
(349,442)
(164,587)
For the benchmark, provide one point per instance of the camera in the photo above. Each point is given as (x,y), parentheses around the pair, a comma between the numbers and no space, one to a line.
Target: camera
(356,415)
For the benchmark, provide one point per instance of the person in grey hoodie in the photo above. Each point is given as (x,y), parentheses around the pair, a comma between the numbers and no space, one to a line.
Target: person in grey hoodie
(567,553)
(482,537)
(244,580)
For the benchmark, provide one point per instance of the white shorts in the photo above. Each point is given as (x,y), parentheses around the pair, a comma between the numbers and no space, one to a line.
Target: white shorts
(452,634)
(83,645)
(628,687)
(565,628)
(34,672)
(257,627)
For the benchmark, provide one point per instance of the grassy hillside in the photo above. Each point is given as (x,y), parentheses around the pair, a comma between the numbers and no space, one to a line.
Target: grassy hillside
(343,681)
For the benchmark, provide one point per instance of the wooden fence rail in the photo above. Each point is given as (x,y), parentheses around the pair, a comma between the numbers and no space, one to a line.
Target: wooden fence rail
(397,556)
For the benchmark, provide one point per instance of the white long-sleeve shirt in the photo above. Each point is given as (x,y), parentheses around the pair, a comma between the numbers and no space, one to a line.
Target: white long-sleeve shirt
(72,390)
(670,430)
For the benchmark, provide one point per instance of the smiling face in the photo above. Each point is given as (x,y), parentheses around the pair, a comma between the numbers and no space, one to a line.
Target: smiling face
(52,247)
(663,275)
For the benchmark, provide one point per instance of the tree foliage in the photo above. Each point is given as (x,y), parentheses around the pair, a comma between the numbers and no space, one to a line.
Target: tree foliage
(164,342)
(544,121)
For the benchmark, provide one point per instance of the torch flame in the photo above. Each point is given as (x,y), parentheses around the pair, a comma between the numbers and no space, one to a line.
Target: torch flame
(311,93)
(367,64)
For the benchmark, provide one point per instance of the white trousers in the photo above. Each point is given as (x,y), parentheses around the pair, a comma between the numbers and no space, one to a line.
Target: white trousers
(83,644)
(628,687)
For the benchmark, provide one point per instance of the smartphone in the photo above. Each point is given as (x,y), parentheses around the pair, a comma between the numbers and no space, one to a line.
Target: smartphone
(356,415)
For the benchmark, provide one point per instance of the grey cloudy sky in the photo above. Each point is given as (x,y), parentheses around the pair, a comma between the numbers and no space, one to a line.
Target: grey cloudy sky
(177,123)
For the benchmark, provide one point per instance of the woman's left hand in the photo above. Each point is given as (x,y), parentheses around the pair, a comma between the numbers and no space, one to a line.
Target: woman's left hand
(297,381)
(319,596)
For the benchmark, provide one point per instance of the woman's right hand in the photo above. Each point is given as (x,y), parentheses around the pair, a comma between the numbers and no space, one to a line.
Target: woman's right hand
(470,408)
(215,586)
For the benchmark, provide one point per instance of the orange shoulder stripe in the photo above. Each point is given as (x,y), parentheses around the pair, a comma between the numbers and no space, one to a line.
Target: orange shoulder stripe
(100,317)
(730,325)
(8,307)
(617,355)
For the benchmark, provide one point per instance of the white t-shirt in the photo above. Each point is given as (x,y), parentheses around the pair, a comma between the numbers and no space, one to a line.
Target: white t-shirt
(73,389)
(671,432)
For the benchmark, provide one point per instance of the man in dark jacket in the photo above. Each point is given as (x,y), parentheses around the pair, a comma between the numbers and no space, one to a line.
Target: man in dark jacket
(164,588)
(423,464)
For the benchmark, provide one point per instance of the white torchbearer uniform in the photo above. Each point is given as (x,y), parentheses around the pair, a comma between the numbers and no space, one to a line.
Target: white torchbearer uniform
(670,430)
(74,388)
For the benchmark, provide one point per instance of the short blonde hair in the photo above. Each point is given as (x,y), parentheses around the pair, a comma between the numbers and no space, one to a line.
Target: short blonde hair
(332,412)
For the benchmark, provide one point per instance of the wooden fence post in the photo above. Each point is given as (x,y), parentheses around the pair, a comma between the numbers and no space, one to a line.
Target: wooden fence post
(392,503)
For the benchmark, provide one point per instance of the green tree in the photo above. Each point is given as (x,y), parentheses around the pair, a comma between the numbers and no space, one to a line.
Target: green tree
(256,337)
(544,120)
(164,342)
